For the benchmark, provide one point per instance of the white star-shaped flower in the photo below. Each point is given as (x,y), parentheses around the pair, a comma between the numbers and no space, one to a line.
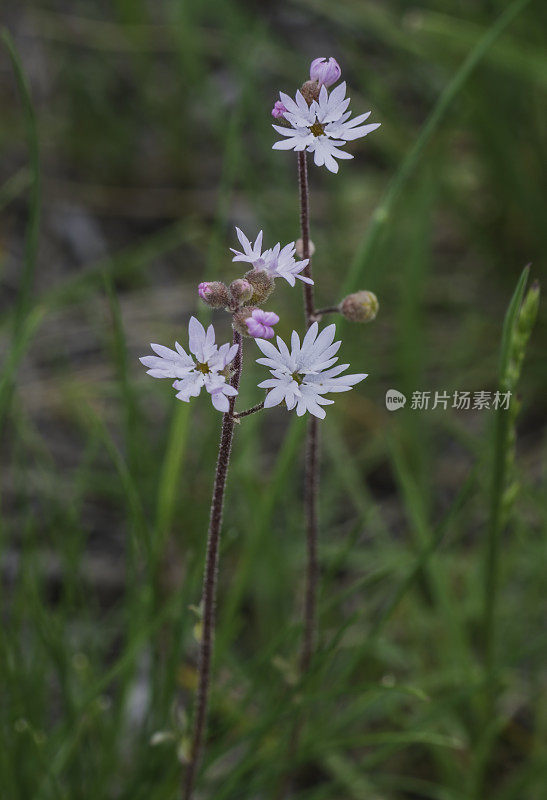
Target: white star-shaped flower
(304,374)
(322,127)
(277,261)
(208,370)
(251,252)
(281,263)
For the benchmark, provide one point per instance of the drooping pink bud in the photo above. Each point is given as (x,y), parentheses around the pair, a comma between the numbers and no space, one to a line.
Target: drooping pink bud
(214,293)
(260,323)
(325,71)
(278,110)
(204,290)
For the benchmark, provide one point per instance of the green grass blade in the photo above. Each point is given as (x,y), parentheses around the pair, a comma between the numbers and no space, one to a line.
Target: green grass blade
(383,215)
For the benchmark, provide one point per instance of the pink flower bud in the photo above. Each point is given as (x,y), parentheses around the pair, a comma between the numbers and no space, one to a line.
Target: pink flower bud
(254,322)
(325,71)
(260,323)
(214,293)
(203,290)
(278,110)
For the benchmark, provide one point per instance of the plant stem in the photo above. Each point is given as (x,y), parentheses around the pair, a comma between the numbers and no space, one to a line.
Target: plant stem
(312,441)
(310,484)
(248,411)
(210,580)
(312,566)
(305,233)
(330,310)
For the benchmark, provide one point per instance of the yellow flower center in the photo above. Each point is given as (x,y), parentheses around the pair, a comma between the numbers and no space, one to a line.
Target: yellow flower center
(317,129)
(203,368)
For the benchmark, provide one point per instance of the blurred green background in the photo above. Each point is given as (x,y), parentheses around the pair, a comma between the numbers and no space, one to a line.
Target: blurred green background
(153,122)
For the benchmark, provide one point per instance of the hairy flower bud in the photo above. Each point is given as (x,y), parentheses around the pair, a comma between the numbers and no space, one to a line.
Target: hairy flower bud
(360,307)
(299,245)
(325,71)
(241,291)
(263,285)
(214,293)
(240,319)
(310,91)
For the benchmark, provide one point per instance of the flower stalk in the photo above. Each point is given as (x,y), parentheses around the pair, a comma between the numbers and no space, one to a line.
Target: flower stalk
(329,310)
(312,442)
(316,122)
(304,196)
(210,579)
(239,415)
(312,565)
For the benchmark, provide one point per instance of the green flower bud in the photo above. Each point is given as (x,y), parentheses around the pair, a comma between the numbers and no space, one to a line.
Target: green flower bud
(263,285)
(241,291)
(360,307)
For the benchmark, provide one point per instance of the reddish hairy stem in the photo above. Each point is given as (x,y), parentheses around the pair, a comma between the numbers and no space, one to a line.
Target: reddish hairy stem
(305,233)
(329,310)
(311,480)
(210,581)
(248,411)
(312,567)
(312,442)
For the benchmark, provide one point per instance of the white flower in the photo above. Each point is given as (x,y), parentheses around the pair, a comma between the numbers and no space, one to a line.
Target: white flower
(277,261)
(304,374)
(251,252)
(281,263)
(322,127)
(208,370)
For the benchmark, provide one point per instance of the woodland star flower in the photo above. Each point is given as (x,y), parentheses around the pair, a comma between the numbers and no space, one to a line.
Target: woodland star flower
(323,127)
(208,370)
(304,374)
(277,261)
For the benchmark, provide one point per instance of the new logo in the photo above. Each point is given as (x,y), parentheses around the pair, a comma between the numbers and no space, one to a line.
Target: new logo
(394,400)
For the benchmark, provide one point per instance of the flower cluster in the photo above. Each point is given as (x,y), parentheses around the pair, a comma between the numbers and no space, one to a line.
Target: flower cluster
(301,376)
(318,122)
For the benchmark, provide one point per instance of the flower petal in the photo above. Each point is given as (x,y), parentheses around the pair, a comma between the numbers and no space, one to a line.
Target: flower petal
(220,402)
(274,397)
(196,336)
